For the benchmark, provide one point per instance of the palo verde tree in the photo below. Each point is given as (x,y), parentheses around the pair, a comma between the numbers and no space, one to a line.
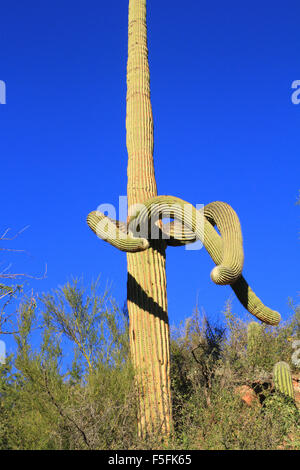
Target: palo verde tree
(145,238)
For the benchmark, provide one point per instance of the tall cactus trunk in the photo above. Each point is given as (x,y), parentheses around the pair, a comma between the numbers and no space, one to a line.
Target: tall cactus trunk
(146,286)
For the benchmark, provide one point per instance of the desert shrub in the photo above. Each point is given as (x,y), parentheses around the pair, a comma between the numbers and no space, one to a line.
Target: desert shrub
(75,388)
(208,411)
(70,384)
(230,424)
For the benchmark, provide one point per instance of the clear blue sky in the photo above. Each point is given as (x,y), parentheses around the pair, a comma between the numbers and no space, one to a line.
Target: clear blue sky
(225,129)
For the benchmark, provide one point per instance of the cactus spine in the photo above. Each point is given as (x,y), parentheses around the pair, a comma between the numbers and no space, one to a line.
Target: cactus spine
(283,379)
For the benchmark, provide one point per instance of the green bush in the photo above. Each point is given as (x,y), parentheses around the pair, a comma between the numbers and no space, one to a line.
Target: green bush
(70,384)
(82,401)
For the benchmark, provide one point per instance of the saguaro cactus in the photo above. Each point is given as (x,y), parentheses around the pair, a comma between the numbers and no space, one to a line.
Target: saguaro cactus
(254,334)
(147,299)
(283,379)
(146,285)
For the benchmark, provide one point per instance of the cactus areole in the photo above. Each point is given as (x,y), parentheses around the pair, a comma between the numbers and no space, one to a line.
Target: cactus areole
(146,254)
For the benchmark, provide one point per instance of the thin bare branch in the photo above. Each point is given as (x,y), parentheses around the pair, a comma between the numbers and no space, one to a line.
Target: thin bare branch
(62,413)
(3,236)
(17,275)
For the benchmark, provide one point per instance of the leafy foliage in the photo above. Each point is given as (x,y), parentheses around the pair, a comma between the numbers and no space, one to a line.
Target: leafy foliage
(70,384)
(48,402)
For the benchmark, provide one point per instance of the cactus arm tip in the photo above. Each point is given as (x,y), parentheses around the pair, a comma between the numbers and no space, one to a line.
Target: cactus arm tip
(115,233)
(253,304)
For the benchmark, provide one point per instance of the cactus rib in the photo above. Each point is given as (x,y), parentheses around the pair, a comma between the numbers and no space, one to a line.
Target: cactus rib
(283,379)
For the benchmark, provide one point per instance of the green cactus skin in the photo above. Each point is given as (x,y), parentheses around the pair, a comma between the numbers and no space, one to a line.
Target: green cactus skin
(226,250)
(230,262)
(115,233)
(146,285)
(229,266)
(254,331)
(283,379)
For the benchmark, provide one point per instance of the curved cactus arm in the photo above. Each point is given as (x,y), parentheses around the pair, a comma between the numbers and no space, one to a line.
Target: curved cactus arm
(253,304)
(115,233)
(229,263)
(221,248)
(214,245)
(241,288)
(283,379)
(225,218)
(177,234)
(229,258)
